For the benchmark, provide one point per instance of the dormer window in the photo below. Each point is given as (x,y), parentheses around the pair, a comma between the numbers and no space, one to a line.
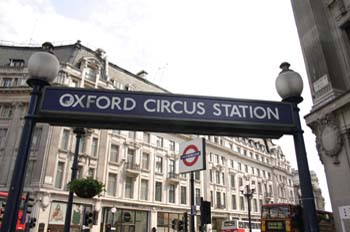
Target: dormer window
(16,63)
(90,73)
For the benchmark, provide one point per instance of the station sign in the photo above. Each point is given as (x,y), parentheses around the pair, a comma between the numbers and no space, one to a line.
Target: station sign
(164,112)
(192,156)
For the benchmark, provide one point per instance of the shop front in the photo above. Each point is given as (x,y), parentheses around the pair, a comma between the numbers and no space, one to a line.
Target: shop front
(124,220)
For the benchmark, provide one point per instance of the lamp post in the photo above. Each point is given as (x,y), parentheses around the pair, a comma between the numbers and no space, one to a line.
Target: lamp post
(249,195)
(289,86)
(43,68)
(79,133)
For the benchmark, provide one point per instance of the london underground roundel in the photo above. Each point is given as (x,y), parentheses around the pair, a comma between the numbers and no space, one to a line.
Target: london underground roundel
(192,156)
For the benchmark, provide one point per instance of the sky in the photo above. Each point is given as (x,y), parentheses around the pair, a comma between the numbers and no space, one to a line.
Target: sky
(223,48)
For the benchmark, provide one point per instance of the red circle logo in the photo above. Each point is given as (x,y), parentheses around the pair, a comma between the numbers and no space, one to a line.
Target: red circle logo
(189,155)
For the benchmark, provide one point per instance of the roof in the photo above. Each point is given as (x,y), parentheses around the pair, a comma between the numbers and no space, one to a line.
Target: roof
(71,53)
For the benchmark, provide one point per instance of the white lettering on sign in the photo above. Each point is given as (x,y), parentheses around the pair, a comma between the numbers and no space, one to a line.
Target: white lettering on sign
(245,111)
(101,102)
(176,107)
(170,106)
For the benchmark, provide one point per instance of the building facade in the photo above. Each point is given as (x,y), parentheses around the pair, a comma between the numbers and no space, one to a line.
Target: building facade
(324,31)
(140,169)
(319,199)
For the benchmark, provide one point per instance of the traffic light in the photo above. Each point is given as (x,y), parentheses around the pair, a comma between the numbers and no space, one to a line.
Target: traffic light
(108,227)
(32,222)
(174,224)
(30,204)
(180,225)
(89,218)
(205,212)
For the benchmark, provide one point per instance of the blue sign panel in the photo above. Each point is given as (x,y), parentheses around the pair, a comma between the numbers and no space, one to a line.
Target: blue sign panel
(156,108)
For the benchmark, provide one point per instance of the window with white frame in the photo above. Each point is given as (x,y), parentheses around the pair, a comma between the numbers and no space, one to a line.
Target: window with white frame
(241,203)
(198,196)
(94,147)
(6,82)
(112,184)
(158,191)
(145,161)
(159,164)
(234,202)
(233,181)
(183,195)
(91,172)
(172,193)
(82,145)
(59,175)
(114,153)
(90,73)
(6,111)
(144,189)
(129,187)
(65,139)
(159,141)
(36,137)
(172,145)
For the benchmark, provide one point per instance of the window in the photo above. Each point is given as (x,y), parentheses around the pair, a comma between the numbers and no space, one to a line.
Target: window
(3,132)
(131,157)
(94,146)
(218,199)
(217,177)
(90,74)
(171,167)
(159,141)
(241,203)
(132,134)
(223,178)
(224,200)
(198,196)
(6,82)
(233,181)
(146,137)
(114,153)
(129,187)
(232,163)
(211,176)
(158,191)
(211,198)
(197,175)
(183,195)
(144,189)
(36,138)
(82,145)
(65,139)
(6,111)
(259,188)
(59,175)
(159,164)
(29,172)
(112,184)
(145,161)
(240,181)
(255,205)
(234,202)
(239,166)
(16,63)
(246,168)
(172,189)
(80,172)
(172,145)
(91,172)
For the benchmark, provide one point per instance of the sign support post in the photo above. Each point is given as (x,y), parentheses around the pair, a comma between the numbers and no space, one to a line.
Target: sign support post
(193,206)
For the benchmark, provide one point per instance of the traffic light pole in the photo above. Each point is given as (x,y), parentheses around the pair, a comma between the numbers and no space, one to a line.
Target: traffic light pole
(193,207)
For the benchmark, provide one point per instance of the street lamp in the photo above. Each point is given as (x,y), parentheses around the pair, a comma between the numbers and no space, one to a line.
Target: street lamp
(43,68)
(249,195)
(289,85)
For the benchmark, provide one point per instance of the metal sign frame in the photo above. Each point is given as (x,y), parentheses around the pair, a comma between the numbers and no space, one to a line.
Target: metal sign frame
(164,112)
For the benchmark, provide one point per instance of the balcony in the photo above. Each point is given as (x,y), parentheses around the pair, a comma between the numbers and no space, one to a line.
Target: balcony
(132,169)
(220,206)
(173,177)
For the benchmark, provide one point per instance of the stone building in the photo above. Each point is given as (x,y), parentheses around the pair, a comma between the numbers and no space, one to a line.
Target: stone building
(319,199)
(323,28)
(140,169)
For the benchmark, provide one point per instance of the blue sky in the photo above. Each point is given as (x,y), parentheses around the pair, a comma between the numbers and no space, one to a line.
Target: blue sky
(224,48)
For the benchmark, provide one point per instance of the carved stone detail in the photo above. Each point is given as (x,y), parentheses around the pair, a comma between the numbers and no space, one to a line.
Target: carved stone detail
(328,138)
